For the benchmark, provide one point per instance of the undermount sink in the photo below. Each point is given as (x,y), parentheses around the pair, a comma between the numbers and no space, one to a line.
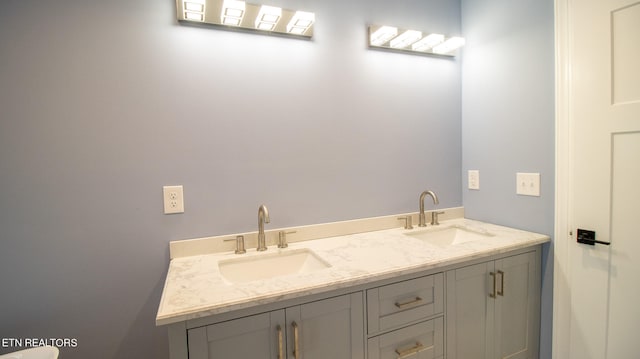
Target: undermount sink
(449,236)
(271,265)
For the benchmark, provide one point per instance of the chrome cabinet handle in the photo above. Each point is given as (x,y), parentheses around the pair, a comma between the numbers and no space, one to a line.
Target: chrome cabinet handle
(296,341)
(408,303)
(279,330)
(408,352)
(501,291)
(493,294)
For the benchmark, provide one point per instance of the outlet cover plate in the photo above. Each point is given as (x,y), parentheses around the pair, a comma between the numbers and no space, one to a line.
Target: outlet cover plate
(528,184)
(173,199)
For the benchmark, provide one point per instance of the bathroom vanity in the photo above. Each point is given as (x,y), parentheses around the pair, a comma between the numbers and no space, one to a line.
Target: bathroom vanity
(456,290)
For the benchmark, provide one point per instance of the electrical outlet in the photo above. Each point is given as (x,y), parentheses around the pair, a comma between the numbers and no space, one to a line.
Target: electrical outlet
(173,199)
(474,179)
(528,184)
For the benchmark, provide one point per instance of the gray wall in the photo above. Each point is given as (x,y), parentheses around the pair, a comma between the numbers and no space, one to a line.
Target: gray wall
(104,102)
(508,120)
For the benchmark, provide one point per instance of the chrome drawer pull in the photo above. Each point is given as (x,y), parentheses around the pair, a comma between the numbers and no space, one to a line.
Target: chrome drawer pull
(408,303)
(408,352)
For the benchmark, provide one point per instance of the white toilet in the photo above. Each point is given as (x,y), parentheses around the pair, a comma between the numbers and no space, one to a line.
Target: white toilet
(47,352)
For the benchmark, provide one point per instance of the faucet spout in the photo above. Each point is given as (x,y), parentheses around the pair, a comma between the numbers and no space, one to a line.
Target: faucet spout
(422,218)
(263,217)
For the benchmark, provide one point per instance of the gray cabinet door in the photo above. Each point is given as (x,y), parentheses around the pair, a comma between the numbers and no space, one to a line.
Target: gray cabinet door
(517,323)
(470,312)
(329,328)
(493,309)
(253,337)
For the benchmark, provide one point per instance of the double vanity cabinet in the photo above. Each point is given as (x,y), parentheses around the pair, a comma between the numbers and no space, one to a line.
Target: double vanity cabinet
(484,305)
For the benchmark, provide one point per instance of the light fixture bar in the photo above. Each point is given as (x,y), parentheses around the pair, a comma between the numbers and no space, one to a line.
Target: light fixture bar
(245,15)
(382,35)
(268,17)
(232,12)
(301,22)
(194,6)
(405,39)
(427,42)
(194,16)
(412,41)
(194,10)
(449,46)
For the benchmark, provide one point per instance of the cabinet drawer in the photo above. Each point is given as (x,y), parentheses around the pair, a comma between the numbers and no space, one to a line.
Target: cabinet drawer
(420,341)
(405,302)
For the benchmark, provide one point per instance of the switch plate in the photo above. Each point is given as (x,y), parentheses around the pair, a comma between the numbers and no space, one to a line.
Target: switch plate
(474,179)
(528,184)
(173,199)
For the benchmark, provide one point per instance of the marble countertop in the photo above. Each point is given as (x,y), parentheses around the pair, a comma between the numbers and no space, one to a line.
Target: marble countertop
(195,288)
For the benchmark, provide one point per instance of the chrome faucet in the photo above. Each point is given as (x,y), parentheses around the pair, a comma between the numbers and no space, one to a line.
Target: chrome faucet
(423,221)
(263,217)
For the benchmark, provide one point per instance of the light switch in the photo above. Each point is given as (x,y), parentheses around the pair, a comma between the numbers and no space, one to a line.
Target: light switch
(474,179)
(528,184)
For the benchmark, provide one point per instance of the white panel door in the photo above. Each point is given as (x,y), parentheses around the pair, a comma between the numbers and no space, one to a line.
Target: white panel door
(595,316)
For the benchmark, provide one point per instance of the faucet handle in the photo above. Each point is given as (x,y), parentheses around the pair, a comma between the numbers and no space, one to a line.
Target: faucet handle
(239,244)
(408,222)
(282,239)
(434,218)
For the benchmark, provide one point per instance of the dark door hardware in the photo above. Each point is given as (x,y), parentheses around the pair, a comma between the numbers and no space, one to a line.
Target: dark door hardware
(589,237)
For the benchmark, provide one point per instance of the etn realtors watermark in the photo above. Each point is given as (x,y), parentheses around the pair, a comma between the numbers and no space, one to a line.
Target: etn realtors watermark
(38,342)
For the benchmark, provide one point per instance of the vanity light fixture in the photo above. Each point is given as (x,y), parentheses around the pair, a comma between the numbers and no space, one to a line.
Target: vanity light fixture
(232,12)
(412,41)
(194,16)
(405,39)
(194,6)
(427,42)
(383,35)
(268,17)
(240,15)
(194,10)
(301,22)
(448,46)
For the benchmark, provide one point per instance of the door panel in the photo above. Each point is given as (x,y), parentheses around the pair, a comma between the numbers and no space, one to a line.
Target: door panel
(602,97)
(625,28)
(624,313)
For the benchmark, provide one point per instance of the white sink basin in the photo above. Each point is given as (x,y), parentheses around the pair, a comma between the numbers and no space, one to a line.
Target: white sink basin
(47,352)
(450,235)
(271,265)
